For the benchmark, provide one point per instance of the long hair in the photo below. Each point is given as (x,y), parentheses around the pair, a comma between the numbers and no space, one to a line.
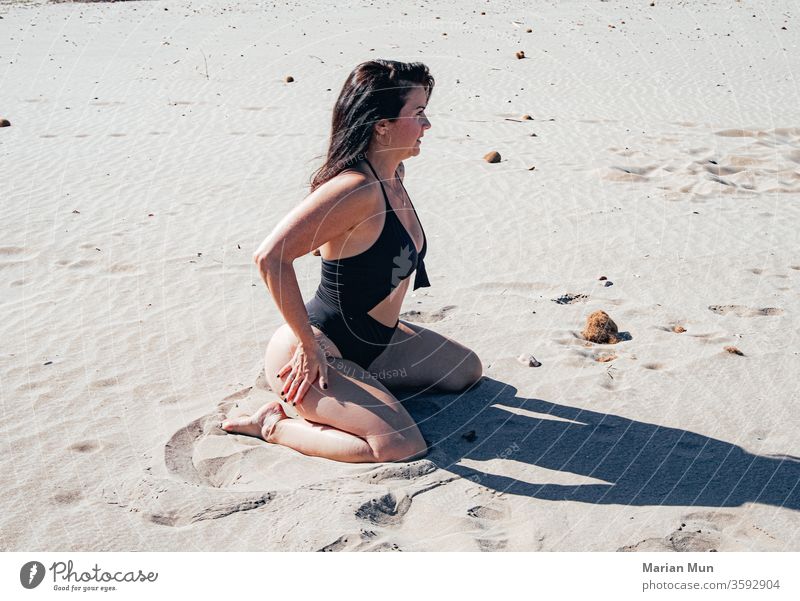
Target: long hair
(374,90)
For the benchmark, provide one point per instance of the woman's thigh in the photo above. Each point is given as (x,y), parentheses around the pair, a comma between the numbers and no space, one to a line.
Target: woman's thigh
(354,401)
(421,358)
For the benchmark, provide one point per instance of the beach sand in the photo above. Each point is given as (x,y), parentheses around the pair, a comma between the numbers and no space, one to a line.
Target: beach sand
(154,145)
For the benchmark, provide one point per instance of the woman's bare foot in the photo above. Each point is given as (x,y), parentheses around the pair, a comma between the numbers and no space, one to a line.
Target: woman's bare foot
(260,424)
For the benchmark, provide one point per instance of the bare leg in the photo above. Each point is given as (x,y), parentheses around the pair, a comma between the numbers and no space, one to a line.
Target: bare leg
(355,420)
(270,423)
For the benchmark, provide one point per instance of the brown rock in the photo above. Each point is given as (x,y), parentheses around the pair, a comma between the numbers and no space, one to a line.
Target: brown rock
(606,358)
(520,54)
(492,157)
(678,329)
(602,277)
(734,351)
(529,30)
(600,328)
(5,123)
(288,79)
(526,117)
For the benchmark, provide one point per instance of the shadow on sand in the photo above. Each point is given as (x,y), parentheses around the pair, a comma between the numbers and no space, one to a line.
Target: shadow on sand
(641,463)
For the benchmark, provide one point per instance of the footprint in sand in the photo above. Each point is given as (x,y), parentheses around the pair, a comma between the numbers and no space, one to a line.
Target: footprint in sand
(741,311)
(363,541)
(707,531)
(427,316)
(489,519)
(403,471)
(387,510)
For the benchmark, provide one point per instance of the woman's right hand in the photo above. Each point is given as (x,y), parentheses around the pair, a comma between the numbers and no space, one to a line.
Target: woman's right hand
(303,369)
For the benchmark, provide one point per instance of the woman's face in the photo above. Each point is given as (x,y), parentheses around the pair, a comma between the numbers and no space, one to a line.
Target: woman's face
(411,124)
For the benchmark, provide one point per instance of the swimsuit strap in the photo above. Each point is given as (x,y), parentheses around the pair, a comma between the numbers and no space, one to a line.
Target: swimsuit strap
(385,197)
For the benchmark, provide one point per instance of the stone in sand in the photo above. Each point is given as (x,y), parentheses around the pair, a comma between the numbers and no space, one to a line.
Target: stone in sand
(520,54)
(526,117)
(5,123)
(528,360)
(606,358)
(678,329)
(492,157)
(600,328)
(734,351)
(529,30)
(288,79)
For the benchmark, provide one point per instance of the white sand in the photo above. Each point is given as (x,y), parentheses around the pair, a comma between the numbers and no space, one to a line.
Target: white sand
(666,157)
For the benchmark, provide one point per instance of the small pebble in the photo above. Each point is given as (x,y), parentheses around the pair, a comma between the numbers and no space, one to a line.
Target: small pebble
(5,123)
(520,54)
(602,277)
(288,79)
(606,358)
(678,329)
(734,351)
(526,117)
(528,360)
(609,283)
(492,157)
(529,30)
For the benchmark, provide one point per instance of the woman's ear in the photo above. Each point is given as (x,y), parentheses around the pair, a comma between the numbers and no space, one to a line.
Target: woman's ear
(382,127)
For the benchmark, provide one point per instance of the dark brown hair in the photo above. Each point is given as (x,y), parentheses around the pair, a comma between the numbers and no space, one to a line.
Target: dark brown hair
(375,90)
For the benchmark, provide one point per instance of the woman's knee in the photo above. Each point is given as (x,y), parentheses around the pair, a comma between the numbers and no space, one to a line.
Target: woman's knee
(398,447)
(464,375)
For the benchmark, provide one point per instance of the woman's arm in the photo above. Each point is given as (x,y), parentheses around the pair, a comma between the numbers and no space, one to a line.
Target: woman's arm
(326,213)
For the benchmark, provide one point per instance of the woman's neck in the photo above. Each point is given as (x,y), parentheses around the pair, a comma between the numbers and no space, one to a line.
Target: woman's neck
(384,163)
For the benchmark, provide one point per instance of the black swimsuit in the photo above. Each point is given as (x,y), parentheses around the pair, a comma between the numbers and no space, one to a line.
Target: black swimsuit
(352,286)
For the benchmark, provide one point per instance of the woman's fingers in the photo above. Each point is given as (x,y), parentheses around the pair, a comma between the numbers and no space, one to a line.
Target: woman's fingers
(323,376)
(301,391)
(284,369)
(291,395)
(288,383)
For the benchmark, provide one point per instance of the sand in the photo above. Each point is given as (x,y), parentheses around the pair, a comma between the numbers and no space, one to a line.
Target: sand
(151,150)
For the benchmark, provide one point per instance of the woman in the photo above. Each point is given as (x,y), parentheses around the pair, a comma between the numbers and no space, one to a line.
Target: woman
(337,355)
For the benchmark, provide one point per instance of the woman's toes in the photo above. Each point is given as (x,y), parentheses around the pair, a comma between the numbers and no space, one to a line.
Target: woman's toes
(260,424)
(242,425)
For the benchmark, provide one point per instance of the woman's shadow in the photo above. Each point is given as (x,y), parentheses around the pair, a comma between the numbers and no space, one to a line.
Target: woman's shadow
(640,463)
